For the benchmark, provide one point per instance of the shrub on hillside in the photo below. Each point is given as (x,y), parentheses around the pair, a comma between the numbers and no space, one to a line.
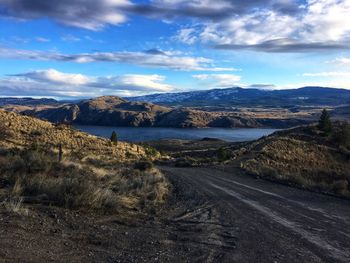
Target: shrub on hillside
(150,151)
(39,176)
(325,124)
(223,154)
(143,165)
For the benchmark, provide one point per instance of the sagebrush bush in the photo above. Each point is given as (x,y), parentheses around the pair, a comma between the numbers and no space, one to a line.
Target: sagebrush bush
(15,205)
(38,174)
(143,165)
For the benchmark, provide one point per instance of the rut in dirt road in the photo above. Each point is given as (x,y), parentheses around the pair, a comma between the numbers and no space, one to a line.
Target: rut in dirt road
(251,220)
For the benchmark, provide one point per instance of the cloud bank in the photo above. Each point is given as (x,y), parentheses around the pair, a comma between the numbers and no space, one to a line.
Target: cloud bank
(218,80)
(54,83)
(149,58)
(279,26)
(259,25)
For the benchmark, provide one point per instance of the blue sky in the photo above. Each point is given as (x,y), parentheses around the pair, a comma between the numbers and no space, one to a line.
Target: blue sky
(87,48)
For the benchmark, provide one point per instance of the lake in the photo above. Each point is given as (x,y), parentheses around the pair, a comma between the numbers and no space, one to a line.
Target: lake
(140,134)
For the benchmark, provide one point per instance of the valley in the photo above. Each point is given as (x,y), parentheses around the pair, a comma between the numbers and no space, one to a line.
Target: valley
(223,110)
(204,200)
(175,131)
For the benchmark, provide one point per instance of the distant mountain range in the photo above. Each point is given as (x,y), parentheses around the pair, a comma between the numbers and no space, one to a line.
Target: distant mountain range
(115,111)
(305,96)
(27,101)
(233,107)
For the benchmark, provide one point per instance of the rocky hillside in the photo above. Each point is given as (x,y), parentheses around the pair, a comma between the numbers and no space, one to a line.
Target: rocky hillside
(115,111)
(27,101)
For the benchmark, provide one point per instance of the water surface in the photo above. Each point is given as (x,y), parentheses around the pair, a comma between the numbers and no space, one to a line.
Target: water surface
(140,134)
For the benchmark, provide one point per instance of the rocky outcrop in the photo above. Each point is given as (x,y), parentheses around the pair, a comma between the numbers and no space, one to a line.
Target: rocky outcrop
(115,111)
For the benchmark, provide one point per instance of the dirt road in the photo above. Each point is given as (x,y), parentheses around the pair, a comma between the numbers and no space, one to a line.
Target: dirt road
(211,216)
(237,218)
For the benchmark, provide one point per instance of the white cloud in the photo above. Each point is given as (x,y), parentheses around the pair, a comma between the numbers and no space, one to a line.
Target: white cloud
(337,79)
(151,58)
(187,35)
(51,82)
(218,80)
(308,25)
(250,29)
(54,76)
(134,82)
(328,74)
(326,20)
(70,38)
(322,24)
(340,61)
(42,39)
(262,86)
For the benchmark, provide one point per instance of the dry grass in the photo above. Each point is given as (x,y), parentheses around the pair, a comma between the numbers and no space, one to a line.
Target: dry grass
(15,205)
(95,175)
(25,131)
(36,176)
(310,162)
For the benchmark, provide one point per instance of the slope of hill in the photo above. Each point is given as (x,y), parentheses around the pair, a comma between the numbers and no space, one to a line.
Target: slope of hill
(252,97)
(44,163)
(302,156)
(26,130)
(27,101)
(342,113)
(115,111)
(63,190)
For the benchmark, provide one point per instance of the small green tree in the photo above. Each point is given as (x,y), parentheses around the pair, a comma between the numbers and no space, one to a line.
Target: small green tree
(114,137)
(150,151)
(222,154)
(325,124)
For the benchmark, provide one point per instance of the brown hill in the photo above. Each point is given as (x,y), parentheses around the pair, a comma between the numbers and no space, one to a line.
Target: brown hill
(24,131)
(114,111)
(302,156)
(48,164)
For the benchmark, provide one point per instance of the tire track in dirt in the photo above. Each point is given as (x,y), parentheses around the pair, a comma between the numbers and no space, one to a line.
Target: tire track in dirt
(253,218)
